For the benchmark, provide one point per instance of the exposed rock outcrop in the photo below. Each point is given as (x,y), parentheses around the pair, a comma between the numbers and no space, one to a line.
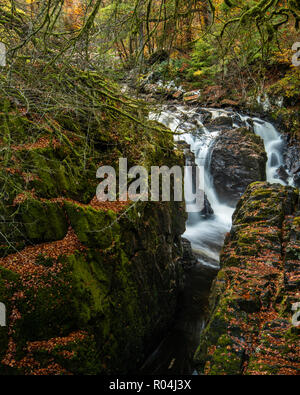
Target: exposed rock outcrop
(221,122)
(188,258)
(252,329)
(238,158)
(88,286)
(292,160)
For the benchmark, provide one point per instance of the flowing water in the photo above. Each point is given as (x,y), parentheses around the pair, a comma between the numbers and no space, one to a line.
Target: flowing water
(174,354)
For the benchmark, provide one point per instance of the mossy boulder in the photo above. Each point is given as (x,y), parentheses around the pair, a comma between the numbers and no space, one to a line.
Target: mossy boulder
(238,159)
(89,286)
(250,329)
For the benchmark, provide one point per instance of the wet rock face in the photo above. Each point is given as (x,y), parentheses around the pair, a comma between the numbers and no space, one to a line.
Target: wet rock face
(292,160)
(188,257)
(223,122)
(253,299)
(207,209)
(205,116)
(282,174)
(238,158)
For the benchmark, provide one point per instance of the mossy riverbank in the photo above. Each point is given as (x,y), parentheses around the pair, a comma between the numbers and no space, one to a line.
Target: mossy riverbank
(250,330)
(88,286)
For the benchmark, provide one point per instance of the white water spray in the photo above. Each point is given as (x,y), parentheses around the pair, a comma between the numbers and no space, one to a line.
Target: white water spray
(207,234)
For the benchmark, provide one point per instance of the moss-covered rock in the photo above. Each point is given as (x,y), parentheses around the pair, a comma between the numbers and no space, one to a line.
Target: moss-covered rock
(88,286)
(250,330)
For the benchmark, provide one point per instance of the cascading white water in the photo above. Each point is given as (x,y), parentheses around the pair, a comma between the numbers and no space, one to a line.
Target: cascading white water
(207,234)
(174,354)
(273,146)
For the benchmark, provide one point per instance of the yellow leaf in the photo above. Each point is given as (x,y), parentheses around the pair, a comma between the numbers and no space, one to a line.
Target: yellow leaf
(198,73)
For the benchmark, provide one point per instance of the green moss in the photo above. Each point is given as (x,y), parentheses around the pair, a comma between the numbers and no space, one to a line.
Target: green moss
(59,172)
(222,360)
(262,368)
(292,335)
(225,360)
(231,260)
(8,275)
(43,221)
(91,284)
(44,261)
(79,357)
(122,286)
(94,228)
(263,230)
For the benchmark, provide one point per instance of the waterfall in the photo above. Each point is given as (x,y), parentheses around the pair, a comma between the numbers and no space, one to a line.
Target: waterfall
(207,234)
(274,147)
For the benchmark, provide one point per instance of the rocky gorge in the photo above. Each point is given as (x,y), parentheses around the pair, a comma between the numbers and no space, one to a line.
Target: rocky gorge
(252,325)
(88,286)
(251,329)
(149,190)
(103,288)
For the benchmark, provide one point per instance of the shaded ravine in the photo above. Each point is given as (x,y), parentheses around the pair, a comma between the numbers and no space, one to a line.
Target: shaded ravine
(174,355)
